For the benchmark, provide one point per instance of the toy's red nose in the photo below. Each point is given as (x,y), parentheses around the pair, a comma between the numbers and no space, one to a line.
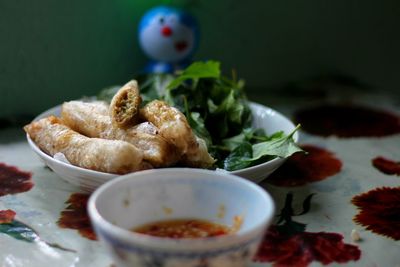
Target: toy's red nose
(166,31)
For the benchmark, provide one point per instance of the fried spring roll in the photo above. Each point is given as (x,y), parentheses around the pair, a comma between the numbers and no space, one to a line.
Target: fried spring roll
(110,156)
(124,106)
(174,127)
(172,123)
(198,157)
(83,118)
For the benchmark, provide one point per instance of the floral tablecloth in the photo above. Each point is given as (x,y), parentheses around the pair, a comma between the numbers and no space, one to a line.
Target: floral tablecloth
(338,204)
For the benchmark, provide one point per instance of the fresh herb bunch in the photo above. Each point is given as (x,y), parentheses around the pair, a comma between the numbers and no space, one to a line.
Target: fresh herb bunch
(218,111)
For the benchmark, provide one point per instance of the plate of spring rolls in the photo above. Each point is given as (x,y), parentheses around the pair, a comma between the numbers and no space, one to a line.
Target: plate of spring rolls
(89,142)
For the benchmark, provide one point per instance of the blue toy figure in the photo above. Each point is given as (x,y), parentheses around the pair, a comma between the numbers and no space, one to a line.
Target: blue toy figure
(169,37)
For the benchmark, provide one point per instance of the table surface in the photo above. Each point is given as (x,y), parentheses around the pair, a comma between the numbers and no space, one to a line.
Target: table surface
(347,185)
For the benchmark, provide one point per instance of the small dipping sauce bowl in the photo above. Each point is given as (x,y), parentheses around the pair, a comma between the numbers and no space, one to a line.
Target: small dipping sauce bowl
(137,199)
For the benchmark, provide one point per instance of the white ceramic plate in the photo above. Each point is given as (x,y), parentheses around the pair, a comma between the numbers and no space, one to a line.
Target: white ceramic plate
(88,180)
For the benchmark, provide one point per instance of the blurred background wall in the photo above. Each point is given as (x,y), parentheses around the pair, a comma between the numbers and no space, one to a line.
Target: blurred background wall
(52,51)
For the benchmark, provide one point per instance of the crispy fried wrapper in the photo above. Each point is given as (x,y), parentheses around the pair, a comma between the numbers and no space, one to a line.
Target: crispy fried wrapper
(84,118)
(111,156)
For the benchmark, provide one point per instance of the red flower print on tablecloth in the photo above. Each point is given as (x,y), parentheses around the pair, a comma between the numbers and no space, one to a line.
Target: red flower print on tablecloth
(75,216)
(287,244)
(303,168)
(13,180)
(387,166)
(348,121)
(6,216)
(379,211)
(15,228)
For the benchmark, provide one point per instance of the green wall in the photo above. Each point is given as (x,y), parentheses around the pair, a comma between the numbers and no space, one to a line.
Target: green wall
(52,51)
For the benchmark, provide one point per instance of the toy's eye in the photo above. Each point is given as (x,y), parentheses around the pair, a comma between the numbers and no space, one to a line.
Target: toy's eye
(162,20)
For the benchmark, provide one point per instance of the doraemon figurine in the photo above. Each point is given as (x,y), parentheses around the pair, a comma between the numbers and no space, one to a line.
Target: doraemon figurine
(169,37)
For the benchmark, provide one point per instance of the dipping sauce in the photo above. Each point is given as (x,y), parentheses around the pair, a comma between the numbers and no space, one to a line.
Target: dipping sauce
(183,228)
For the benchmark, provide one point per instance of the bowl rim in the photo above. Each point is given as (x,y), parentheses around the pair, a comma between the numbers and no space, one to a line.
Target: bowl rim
(108,176)
(185,244)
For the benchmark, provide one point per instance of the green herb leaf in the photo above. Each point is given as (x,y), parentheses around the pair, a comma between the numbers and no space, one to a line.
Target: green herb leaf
(232,142)
(277,146)
(277,135)
(281,147)
(233,108)
(197,70)
(197,124)
(240,158)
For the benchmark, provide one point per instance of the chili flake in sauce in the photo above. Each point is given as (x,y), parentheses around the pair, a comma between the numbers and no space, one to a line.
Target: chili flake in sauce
(183,228)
